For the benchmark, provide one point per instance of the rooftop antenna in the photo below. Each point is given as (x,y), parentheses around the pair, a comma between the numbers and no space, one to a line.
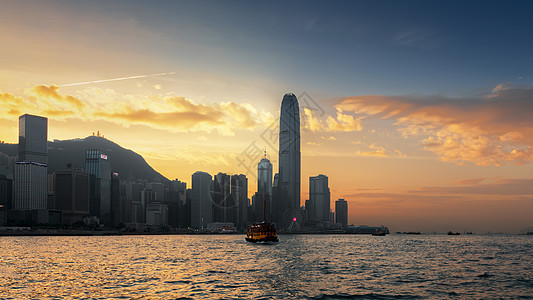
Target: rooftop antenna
(265,152)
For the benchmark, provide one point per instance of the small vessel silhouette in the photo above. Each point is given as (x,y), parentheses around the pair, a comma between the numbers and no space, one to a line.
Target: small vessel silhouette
(262,232)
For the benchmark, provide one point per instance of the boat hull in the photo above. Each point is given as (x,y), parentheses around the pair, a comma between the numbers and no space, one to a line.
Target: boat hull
(263,232)
(268,239)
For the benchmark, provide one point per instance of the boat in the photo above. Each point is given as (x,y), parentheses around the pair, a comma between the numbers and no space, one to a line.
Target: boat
(263,232)
(379,233)
(453,233)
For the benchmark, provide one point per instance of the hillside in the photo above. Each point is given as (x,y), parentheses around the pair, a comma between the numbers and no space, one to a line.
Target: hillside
(126,162)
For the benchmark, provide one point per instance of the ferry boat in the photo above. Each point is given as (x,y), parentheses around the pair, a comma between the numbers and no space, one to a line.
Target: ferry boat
(262,232)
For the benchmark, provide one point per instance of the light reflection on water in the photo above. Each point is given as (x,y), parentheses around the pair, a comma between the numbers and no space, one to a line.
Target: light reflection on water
(300,266)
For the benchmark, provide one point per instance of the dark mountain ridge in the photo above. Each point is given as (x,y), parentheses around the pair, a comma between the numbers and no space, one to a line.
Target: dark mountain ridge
(127,163)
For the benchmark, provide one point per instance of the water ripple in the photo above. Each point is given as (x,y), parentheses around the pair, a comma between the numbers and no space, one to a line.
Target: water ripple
(303,267)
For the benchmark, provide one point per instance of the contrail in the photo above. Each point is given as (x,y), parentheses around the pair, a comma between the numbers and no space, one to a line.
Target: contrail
(116,79)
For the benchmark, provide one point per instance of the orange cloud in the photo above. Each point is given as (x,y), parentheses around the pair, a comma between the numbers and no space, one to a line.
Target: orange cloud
(492,130)
(342,123)
(188,119)
(166,113)
(374,151)
(51,95)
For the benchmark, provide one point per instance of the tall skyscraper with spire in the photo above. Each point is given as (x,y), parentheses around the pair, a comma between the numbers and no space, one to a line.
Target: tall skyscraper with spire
(288,189)
(262,200)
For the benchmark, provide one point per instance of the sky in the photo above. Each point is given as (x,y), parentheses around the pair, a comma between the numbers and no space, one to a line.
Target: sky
(419,112)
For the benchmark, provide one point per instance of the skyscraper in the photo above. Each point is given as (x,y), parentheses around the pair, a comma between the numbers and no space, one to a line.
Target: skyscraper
(239,195)
(288,196)
(33,133)
(319,198)
(341,212)
(264,177)
(97,164)
(71,194)
(262,200)
(31,171)
(222,202)
(201,205)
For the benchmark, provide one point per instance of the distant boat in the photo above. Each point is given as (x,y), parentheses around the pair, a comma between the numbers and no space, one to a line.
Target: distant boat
(453,233)
(379,233)
(262,232)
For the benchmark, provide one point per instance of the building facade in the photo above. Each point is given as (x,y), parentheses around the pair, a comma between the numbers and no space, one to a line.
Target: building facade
(157,214)
(341,212)
(319,199)
(288,190)
(223,204)
(31,170)
(263,196)
(71,194)
(239,195)
(97,164)
(201,204)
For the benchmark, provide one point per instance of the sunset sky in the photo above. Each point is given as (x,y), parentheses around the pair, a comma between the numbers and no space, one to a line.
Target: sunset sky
(419,112)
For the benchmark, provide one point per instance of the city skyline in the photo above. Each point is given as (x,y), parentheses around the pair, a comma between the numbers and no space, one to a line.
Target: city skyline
(419,122)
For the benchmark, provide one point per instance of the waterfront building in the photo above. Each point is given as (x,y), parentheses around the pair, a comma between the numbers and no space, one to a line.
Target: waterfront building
(341,212)
(264,190)
(31,171)
(71,194)
(118,195)
(319,199)
(239,196)
(288,190)
(223,204)
(97,164)
(33,135)
(6,197)
(176,199)
(156,214)
(201,204)
(159,190)
(134,208)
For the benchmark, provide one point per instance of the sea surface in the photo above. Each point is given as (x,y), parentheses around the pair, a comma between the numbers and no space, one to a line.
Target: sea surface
(298,267)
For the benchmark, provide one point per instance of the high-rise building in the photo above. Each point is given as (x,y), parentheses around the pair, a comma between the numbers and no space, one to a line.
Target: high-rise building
(6,197)
(223,204)
(201,204)
(319,199)
(239,196)
(33,135)
(117,201)
(176,201)
(31,171)
(264,177)
(71,194)
(341,212)
(275,203)
(264,190)
(97,164)
(187,210)
(157,214)
(135,205)
(288,194)
(159,190)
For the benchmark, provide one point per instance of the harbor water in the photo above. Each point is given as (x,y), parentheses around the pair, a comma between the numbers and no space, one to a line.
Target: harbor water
(299,266)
